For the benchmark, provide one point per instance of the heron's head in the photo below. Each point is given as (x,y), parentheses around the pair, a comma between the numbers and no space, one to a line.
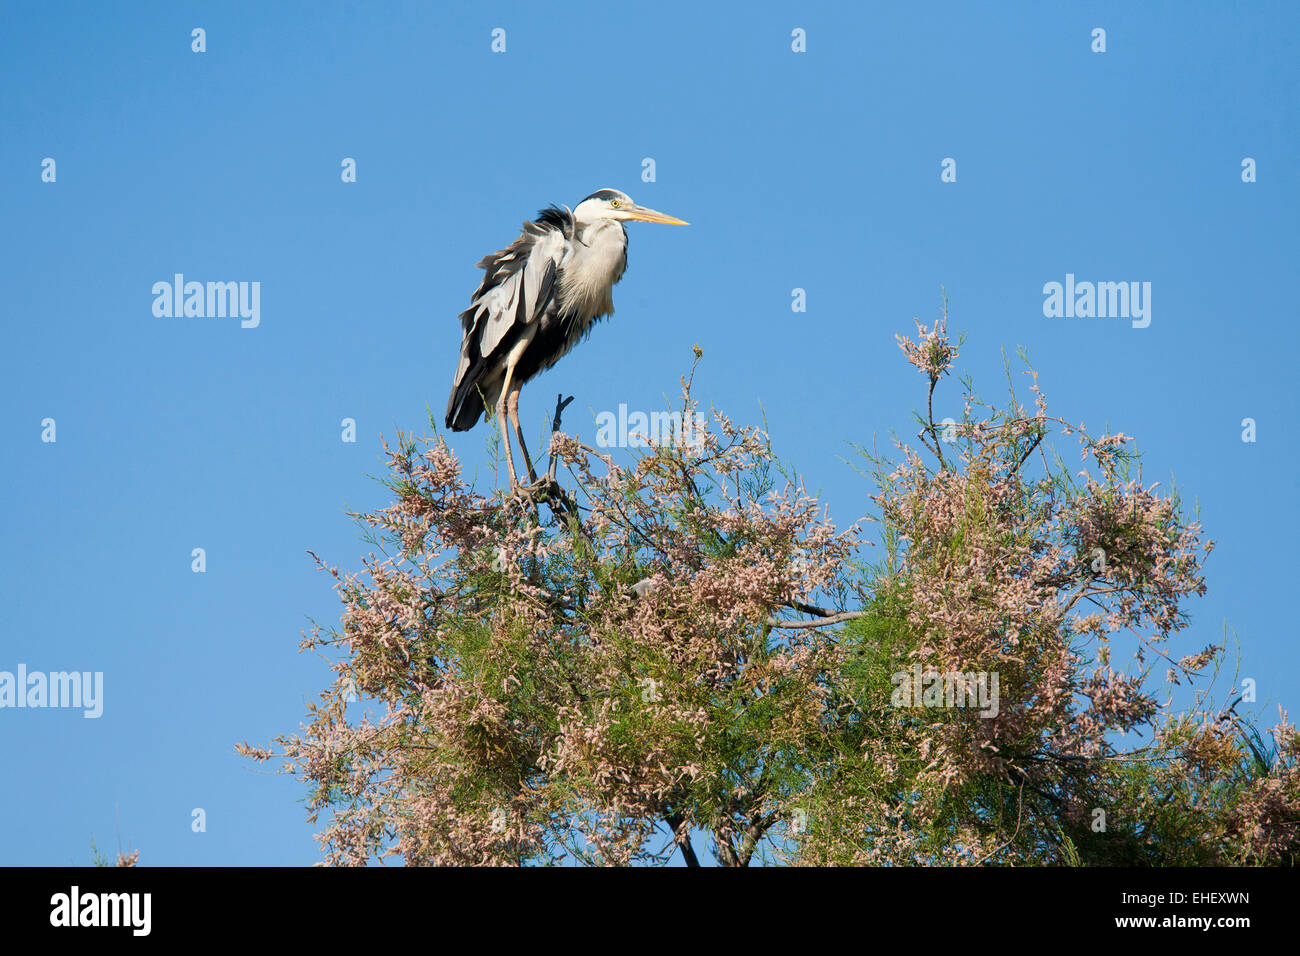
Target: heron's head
(612,204)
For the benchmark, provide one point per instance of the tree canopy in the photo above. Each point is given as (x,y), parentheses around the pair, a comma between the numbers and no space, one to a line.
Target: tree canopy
(681,641)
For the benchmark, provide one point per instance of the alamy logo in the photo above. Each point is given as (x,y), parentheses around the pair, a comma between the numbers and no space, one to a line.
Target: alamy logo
(56,689)
(1102,300)
(213,300)
(951,689)
(639,430)
(102,909)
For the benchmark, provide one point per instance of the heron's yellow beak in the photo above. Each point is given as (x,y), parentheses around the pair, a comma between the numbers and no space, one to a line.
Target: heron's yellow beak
(642,214)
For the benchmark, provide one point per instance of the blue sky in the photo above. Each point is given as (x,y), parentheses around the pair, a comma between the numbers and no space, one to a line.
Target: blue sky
(816,170)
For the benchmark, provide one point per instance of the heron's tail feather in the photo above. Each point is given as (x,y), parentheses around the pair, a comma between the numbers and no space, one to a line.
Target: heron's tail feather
(465,404)
(464,415)
(472,394)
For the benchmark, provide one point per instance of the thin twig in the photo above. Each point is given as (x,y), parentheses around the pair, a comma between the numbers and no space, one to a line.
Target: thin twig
(561,403)
(1019,815)
(929,401)
(1025,457)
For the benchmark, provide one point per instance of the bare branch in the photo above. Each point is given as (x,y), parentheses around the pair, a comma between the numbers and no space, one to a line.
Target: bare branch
(824,622)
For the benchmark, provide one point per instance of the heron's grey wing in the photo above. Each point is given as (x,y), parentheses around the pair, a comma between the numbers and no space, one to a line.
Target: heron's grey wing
(518,286)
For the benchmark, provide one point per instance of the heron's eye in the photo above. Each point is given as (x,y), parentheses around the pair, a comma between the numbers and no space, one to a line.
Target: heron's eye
(615,203)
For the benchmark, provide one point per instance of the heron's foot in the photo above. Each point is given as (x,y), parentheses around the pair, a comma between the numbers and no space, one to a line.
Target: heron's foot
(539,489)
(545,485)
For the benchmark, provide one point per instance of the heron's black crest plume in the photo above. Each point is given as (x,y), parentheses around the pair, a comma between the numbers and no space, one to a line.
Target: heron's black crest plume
(556,216)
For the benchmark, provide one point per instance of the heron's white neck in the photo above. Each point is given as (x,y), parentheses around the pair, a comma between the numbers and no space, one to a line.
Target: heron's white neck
(596,262)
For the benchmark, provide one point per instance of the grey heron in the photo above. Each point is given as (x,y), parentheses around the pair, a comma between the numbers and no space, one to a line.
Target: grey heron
(540,296)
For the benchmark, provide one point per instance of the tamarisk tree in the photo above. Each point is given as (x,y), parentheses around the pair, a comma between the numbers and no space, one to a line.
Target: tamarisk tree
(679,649)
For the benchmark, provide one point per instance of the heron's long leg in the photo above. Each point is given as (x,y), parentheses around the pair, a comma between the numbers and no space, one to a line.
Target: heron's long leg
(512,409)
(505,433)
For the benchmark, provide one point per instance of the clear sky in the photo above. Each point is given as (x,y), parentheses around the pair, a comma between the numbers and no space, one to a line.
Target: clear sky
(817,170)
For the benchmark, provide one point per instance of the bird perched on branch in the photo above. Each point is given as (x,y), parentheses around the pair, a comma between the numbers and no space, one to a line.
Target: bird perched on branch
(539,297)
